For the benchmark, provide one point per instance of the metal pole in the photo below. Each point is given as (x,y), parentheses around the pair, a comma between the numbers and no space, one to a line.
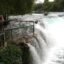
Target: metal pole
(11,34)
(3,34)
(11,37)
(33,28)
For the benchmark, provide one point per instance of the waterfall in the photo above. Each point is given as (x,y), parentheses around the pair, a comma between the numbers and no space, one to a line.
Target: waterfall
(55,55)
(47,45)
(39,45)
(35,56)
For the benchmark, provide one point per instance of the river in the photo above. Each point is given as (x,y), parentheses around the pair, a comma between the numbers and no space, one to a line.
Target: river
(48,45)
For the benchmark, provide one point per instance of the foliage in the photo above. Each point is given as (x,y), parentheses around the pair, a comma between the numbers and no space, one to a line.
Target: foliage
(15,54)
(11,55)
(16,6)
(38,7)
(47,6)
(57,5)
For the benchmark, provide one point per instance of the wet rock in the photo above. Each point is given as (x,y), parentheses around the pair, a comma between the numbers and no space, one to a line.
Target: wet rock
(25,53)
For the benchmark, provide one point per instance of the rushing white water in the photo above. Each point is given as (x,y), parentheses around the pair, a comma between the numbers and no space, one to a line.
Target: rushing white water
(42,43)
(56,28)
(47,46)
(51,40)
(35,56)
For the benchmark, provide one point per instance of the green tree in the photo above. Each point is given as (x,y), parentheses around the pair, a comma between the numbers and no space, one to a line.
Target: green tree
(16,6)
(38,7)
(23,6)
(59,4)
(46,5)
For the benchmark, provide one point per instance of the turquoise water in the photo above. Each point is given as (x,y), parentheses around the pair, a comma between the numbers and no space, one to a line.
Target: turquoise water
(56,29)
(51,20)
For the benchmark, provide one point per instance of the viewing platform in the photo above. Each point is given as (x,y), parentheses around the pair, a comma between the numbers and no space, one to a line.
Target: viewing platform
(18,31)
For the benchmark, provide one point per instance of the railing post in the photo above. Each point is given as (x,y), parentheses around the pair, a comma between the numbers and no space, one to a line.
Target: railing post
(11,35)
(33,28)
(4,37)
(11,38)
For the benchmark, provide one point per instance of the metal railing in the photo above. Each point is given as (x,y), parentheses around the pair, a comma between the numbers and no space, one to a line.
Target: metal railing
(17,29)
